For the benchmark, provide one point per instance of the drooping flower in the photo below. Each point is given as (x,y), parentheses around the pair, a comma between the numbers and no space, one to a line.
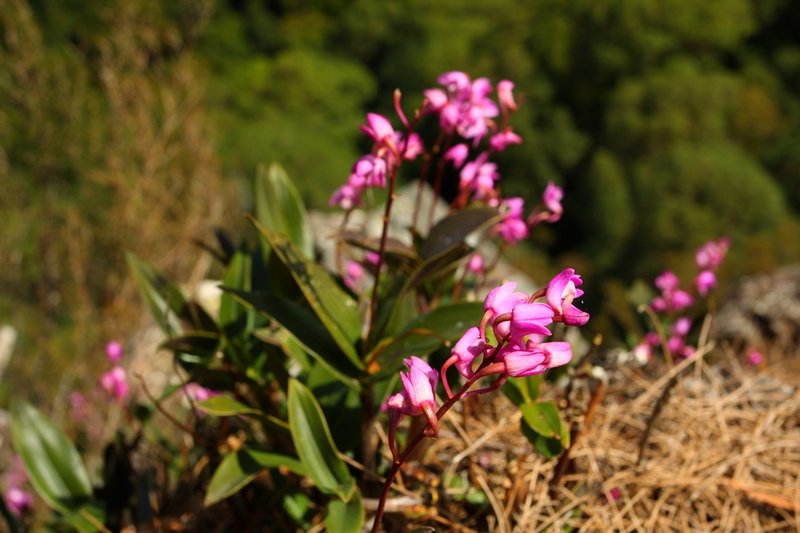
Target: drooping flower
(479,177)
(354,275)
(502,140)
(534,358)
(705,281)
(711,254)
(378,128)
(505,95)
(561,291)
(667,281)
(512,227)
(468,347)
(457,154)
(530,319)
(115,383)
(682,326)
(501,301)
(475,264)
(551,199)
(114,351)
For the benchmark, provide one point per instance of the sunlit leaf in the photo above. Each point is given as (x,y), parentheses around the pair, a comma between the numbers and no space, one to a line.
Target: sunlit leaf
(239,468)
(314,444)
(345,517)
(53,465)
(280,208)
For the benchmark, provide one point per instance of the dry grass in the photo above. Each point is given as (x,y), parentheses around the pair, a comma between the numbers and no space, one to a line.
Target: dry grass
(724,455)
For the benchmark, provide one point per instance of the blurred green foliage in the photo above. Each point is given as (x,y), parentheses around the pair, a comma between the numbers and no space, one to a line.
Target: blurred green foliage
(667,123)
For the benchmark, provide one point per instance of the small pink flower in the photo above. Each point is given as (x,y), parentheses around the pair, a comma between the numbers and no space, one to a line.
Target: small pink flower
(115,383)
(675,344)
(667,281)
(457,154)
(18,501)
(681,300)
(372,258)
(512,227)
(114,351)
(551,198)
(502,140)
(535,358)
(479,176)
(353,275)
(643,352)
(705,281)
(198,393)
(419,386)
(530,319)
(378,128)
(347,196)
(754,357)
(501,301)
(505,95)
(682,326)
(561,291)
(615,493)
(468,347)
(710,255)
(475,264)
(371,171)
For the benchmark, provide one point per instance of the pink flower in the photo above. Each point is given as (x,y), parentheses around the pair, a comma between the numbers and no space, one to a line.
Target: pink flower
(372,258)
(705,281)
(682,326)
(347,196)
(615,493)
(710,255)
(530,319)
(551,198)
(502,140)
(675,344)
(501,301)
(353,275)
(475,264)
(468,347)
(457,154)
(479,176)
(561,291)
(535,358)
(115,383)
(505,95)
(114,351)
(370,171)
(754,357)
(512,228)
(18,501)
(419,392)
(198,393)
(378,128)
(667,281)
(643,352)
(681,300)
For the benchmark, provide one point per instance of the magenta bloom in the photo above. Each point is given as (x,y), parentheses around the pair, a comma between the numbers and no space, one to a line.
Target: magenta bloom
(682,326)
(369,171)
(115,382)
(705,281)
(114,351)
(18,501)
(536,358)
(457,154)
(681,300)
(502,140)
(347,196)
(551,198)
(512,227)
(378,128)
(198,393)
(754,357)
(710,255)
(561,291)
(353,275)
(479,176)
(419,391)
(468,347)
(530,319)
(475,264)
(500,301)
(505,95)
(667,281)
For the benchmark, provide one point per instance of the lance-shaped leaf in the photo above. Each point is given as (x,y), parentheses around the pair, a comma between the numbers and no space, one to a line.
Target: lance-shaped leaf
(423,335)
(345,517)
(544,419)
(314,444)
(234,318)
(280,208)
(166,302)
(337,311)
(239,468)
(306,329)
(53,465)
(224,405)
(453,230)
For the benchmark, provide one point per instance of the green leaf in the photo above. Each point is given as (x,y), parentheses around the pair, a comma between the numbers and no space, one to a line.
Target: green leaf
(451,231)
(337,311)
(233,317)
(240,468)
(224,405)
(197,347)
(280,208)
(314,444)
(523,390)
(163,299)
(87,519)
(53,465)
(425,334)
(345,517)
(306,329)
(544,419)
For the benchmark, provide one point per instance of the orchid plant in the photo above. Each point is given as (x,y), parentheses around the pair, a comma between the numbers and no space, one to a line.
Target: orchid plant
(295,353)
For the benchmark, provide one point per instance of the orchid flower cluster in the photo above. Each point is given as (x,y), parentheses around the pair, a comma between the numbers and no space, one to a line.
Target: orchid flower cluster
(115,381)
(467,116)
(509,342)
(673,300)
